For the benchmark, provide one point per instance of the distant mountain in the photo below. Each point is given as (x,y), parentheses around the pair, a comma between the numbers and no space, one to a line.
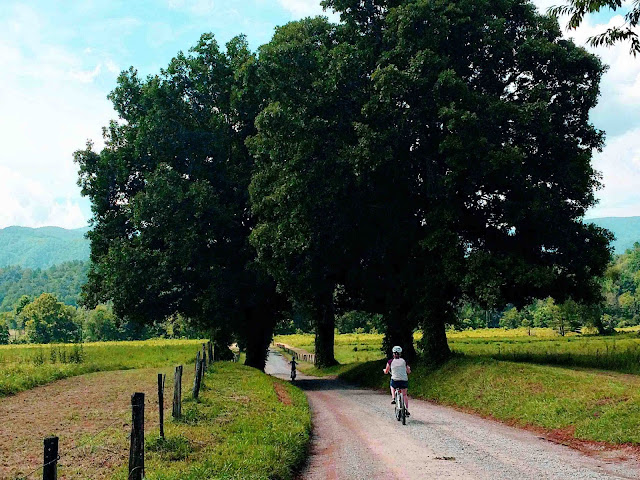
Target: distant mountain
(42,247)
(626,230)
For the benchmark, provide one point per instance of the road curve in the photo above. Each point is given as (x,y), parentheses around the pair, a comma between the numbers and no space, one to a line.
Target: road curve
(356,437)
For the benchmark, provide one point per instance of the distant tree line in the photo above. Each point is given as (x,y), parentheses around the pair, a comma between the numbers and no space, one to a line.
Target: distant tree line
(620,288)
(65,281)
(414,156)
(44,319)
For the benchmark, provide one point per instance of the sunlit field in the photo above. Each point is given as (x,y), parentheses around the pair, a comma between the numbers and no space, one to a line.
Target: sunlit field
(619,352)
(25,366)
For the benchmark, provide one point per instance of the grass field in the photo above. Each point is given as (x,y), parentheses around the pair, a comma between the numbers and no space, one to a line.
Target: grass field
(574,384)
(25,366)
(620,352)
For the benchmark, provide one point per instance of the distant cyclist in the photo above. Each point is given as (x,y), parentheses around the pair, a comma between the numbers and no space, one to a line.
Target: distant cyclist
(399,376)
(293,368)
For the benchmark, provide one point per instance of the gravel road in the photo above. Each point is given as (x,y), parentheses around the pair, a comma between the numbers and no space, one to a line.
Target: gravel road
(356,437)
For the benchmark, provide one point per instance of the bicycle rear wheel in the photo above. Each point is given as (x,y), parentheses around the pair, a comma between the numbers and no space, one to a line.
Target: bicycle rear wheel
(403,410)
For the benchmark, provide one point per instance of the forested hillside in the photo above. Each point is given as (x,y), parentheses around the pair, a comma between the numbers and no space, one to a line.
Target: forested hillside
(64,281)
(625,229)
(42,247)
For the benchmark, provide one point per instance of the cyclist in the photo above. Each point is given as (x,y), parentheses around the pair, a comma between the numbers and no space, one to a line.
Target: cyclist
(399,376)
(293,368)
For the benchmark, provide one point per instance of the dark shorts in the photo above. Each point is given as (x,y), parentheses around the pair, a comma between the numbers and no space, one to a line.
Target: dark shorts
(400,384)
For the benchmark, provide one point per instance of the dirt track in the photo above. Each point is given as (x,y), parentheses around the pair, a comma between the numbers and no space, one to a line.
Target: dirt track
(356,437)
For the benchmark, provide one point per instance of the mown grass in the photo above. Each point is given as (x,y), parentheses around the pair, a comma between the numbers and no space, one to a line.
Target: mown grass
(25,366)
(587,405)
(240,428)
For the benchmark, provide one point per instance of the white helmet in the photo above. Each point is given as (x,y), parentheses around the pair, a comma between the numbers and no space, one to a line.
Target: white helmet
(396,349)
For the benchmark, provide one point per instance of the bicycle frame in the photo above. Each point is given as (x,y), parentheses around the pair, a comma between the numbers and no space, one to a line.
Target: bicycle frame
(400,408)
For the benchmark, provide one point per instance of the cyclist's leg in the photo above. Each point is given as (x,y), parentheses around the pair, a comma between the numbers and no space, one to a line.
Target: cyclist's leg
(406,397)
(393,392)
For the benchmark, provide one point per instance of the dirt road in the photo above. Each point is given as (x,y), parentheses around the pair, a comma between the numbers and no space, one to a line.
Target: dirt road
(356,437)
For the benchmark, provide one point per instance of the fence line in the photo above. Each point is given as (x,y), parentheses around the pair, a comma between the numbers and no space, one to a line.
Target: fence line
(135,469)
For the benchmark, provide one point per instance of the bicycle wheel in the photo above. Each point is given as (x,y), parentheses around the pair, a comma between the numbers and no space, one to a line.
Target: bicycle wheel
(403,410)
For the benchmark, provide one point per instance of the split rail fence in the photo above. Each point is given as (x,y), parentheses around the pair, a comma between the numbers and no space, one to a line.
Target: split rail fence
(297,353)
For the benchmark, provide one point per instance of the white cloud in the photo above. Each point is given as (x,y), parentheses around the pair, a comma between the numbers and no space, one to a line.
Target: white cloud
(306,8)
(86,76)
(28,202)
(619,164)
(50,106)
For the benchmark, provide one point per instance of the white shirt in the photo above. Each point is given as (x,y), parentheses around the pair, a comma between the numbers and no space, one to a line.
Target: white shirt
(398,369)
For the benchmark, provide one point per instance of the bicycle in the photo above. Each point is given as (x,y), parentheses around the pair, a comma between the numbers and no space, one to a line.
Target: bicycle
(400,409)
(293,369)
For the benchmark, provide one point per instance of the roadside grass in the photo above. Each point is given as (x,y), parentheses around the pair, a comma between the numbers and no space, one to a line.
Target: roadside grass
(575,385)
(245,425)
(26,366)
(594,406)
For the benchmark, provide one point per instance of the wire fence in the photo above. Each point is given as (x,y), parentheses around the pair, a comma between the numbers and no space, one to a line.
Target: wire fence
(135,471)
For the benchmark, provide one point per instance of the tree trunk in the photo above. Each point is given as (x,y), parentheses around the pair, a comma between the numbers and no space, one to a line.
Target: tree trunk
(434,341)
(399,332)
(325,324)
(259,335)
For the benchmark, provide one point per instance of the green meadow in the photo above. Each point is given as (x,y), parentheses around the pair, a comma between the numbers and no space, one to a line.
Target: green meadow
(26,366)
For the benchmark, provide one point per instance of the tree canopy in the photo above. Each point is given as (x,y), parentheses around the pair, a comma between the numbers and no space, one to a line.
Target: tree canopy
(577,9)
(169,196)
(418,154)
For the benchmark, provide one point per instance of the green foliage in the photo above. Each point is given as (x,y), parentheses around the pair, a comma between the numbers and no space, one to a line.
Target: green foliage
(41,248)
(46,320)
(4,331)
(621,289)
(169,194)
(356,321)
(577,9)
(18,286)
(101,325)
(511,318)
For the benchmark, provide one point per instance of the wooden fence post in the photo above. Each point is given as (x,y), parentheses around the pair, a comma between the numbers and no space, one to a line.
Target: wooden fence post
(204,356)
(198,378)
(50,469)
(161,403)
(177,393)
(136,452)
(210,352)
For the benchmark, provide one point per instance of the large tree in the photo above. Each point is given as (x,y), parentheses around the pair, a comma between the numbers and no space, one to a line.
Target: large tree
(303,189)
(476,143)
(169,198)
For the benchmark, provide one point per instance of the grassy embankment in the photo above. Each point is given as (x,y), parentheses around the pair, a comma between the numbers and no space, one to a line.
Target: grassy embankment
(245,425)
(598,405)
(25,366)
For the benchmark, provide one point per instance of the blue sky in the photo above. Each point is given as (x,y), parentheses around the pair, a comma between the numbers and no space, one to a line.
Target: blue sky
(60,59)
